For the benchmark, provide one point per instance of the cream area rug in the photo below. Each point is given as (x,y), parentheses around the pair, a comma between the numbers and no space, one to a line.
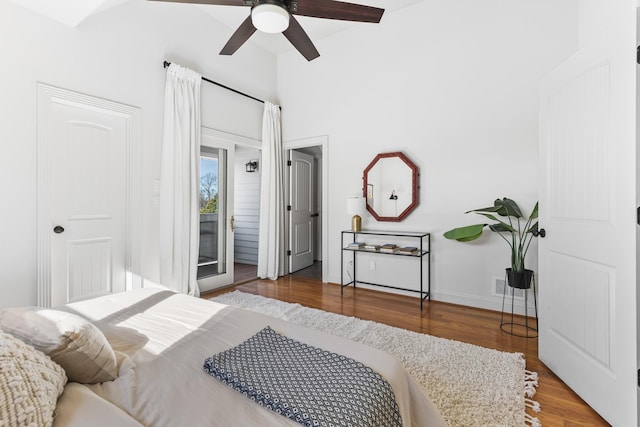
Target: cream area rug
(470,385)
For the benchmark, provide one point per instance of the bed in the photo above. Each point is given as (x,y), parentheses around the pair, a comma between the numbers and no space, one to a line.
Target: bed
(160,340)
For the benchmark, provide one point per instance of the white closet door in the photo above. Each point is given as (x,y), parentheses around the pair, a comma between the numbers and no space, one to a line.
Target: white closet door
(587,261)
(85,157)
(301,199)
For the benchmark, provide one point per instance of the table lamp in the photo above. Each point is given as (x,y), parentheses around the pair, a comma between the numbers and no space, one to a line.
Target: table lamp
(355,206)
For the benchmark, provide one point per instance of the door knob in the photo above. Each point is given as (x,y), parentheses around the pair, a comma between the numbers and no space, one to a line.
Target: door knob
(57,229)
(542,233)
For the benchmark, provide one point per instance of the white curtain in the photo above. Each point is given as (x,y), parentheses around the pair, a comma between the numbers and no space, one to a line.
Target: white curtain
(271,238)
(180,181)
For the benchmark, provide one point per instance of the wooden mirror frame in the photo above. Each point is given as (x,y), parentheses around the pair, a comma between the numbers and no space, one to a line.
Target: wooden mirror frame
(414,186)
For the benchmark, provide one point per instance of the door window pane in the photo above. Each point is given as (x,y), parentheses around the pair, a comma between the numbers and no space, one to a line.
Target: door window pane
(211,260)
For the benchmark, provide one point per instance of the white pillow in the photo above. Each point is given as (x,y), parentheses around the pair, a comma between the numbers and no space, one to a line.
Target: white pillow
(30,383)
(70,340)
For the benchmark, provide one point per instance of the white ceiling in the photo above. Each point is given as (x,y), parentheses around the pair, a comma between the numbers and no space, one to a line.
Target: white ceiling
(74,12)
(69,12)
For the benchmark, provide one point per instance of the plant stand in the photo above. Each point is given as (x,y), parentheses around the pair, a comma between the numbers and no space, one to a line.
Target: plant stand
(509,324)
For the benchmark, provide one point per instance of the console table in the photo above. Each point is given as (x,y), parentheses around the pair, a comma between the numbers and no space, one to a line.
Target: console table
(422,243)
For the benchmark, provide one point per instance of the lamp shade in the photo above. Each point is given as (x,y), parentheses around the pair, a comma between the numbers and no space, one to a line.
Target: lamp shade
(270,18)
(355,205)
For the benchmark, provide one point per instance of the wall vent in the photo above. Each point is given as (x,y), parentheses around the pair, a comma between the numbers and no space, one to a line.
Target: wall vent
(499,285)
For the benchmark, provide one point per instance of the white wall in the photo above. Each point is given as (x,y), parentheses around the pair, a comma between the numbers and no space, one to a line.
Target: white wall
(454,85)
(115,55)
(598,15)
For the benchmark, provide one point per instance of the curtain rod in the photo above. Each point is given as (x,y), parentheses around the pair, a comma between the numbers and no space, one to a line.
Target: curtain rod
(167,63)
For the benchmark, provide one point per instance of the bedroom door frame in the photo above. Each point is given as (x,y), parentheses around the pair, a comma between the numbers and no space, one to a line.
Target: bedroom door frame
(228,141)
(323,142)
(48,98)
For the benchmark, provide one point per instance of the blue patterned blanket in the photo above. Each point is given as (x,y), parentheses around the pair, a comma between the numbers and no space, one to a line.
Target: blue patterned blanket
(309,385)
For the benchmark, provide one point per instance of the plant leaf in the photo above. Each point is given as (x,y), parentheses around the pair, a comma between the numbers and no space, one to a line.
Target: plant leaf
(511,208)
(533,229)
(501,228)
(495,219)
(534,213)
(488,215)
(469,239)
(465,234)
(489,209)
(500,208)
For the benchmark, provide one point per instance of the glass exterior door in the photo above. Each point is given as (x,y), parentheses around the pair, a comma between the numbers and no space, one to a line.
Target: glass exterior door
(215,261)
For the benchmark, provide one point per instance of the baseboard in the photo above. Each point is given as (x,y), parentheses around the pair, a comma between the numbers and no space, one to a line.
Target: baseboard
(488,303)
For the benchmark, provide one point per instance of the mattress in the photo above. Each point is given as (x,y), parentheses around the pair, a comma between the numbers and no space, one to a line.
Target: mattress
(162,338)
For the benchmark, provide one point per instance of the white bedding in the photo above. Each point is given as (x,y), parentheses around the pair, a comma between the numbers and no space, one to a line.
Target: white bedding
(162,338)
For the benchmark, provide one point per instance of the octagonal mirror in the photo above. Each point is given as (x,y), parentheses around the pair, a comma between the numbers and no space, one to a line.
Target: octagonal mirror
(391,186)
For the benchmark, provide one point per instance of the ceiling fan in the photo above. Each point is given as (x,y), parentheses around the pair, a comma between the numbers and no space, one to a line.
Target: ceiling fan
(276,16)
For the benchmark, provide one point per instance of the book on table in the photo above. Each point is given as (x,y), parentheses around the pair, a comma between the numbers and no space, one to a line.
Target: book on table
(356,245)
(409,250)
(372,247)
(389,248)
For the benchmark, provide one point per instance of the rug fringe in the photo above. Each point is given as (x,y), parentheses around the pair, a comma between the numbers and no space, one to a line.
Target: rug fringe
(535,406)
(530,384)
(531,421)
(529,375)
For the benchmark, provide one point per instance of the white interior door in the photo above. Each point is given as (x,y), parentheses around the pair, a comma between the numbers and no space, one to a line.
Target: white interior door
(301,219)
(587,261)
(215,264)
(85,148)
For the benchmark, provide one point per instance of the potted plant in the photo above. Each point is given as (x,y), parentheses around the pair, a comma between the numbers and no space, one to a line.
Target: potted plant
(509,226)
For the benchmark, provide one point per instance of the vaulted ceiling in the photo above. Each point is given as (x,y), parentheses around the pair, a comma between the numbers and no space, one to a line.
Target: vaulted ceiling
(74,12)
(69,12)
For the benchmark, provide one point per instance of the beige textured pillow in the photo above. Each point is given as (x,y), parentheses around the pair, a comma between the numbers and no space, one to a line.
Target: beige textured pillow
(30,383)
(70,340)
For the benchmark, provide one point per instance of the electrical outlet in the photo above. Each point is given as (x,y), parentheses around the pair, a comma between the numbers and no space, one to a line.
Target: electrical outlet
(372,265)
(500,287)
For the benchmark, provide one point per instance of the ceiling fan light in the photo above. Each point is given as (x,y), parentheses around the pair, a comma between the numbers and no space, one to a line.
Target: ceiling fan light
(270,18)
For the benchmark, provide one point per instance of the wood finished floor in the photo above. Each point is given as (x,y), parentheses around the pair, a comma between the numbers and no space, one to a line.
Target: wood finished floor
(560,405)
(244,272)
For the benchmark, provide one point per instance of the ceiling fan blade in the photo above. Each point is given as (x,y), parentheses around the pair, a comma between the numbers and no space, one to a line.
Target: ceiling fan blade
(300,40)
(331,9)
(242,34)
(214,2)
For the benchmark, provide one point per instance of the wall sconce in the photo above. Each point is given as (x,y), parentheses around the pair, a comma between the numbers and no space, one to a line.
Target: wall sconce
(394,197)
(252,166)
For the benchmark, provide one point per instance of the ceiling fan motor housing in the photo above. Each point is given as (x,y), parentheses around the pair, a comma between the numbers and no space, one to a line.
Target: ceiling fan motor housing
(270,16)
